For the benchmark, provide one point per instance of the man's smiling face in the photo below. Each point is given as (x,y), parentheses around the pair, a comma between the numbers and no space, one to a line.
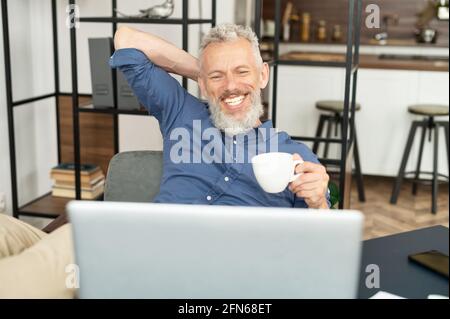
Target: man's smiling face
(231,77)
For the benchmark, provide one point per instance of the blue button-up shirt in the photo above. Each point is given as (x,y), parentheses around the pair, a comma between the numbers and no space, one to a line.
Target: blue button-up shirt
(188,177)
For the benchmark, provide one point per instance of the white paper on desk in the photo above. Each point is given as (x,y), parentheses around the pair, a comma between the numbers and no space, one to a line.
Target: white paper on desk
(437,297)
(385,295)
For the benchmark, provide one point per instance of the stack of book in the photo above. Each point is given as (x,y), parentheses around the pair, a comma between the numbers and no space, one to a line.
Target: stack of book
(92,181)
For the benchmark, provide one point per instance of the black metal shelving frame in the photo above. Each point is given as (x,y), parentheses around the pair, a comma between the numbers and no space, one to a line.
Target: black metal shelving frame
(351,66)
(115,112)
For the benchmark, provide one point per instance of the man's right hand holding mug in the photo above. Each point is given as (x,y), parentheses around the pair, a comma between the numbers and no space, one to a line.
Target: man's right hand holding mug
(312,184)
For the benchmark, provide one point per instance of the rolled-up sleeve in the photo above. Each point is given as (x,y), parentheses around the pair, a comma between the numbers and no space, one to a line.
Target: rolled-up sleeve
(160,93)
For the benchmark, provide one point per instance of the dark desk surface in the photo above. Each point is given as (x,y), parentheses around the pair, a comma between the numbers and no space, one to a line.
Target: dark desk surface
(398,275)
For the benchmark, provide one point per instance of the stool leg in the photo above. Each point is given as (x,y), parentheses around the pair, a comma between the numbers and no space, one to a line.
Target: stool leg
(359,178)
(401,171)
(338,128)
(435,188)
(419,160)
(448,148)
(338,121)
(319,133)
(329,128)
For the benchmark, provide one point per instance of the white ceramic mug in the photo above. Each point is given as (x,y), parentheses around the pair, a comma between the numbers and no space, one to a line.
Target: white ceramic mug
(274,171)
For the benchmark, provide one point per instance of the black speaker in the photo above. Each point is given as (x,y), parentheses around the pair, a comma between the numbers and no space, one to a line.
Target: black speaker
(100,51)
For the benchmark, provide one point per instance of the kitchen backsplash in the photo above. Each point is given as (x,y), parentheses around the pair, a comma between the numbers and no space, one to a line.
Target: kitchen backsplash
(334,12)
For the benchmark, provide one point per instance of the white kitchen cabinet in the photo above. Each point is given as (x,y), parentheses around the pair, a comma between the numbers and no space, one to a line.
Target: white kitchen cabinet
(298,90)
(382,124)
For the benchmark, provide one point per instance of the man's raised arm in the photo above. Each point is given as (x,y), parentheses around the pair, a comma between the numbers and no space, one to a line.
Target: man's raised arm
(162,53)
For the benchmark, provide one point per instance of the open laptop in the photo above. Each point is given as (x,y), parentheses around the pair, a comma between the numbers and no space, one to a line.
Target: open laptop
(134,250)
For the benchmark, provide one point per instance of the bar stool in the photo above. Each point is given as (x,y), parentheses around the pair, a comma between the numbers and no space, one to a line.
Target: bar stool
(334,119)
(427,124)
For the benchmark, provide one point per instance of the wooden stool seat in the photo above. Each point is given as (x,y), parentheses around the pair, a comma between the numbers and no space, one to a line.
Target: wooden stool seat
(428,109)
(334,106)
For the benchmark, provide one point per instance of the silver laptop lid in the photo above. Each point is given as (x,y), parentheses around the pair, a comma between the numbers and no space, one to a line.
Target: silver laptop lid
(133,250)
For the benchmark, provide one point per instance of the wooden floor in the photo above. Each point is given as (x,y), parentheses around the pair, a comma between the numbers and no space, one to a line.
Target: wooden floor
(410,212)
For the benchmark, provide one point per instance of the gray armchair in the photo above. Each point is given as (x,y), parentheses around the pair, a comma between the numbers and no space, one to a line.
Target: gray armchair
(131,177)
(134,176)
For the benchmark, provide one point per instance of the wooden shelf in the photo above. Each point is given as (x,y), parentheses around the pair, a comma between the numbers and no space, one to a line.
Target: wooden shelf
(89,108)
(143,20)
(45,206)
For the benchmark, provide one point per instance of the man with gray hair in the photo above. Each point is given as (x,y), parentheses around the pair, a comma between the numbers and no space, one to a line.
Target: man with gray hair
(231,75)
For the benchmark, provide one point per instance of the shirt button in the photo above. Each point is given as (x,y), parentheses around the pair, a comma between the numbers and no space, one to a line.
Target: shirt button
(226,179)
(208,198)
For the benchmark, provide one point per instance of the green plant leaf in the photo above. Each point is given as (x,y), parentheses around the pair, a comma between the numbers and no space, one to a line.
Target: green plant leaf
(334,194)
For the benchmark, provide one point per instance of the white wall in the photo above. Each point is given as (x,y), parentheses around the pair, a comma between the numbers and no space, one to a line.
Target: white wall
(32,70)
(365,49)
(35,123)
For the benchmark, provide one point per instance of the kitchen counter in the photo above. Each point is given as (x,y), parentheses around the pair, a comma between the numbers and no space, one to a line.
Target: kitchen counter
(371,42)
(382,61)
(404,42)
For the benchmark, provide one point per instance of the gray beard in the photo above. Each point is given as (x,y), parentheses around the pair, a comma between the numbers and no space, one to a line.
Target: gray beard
(230,125)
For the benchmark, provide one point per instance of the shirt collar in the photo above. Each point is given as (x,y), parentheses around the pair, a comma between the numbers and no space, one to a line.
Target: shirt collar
(265,131)
(270,132)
